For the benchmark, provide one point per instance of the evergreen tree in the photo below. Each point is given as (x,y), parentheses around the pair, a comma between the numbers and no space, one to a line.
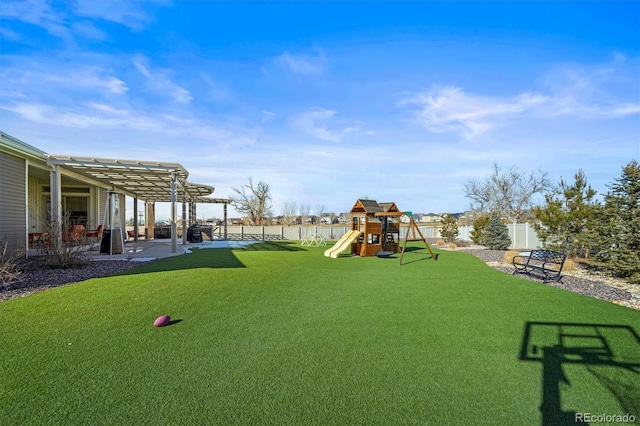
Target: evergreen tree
(566,222)
(497,234)
(479,228)
(619,229)
(449,231)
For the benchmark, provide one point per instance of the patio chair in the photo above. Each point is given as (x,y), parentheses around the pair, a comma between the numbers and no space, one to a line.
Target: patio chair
(75,234)
(96,233)
(131,234)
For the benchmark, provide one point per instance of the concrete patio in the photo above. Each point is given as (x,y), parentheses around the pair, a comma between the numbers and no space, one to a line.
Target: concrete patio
(146,250)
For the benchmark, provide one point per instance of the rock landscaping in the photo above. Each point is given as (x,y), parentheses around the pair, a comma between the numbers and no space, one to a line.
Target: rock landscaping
(598,284)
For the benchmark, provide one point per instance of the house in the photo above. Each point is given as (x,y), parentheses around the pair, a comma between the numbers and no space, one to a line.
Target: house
(344,218)
(430,218)
(38,189)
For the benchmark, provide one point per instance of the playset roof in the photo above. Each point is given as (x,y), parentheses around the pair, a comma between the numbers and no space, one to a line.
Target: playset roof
(373,207)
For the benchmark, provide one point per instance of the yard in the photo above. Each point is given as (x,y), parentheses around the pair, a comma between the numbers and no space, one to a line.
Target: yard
(277,333)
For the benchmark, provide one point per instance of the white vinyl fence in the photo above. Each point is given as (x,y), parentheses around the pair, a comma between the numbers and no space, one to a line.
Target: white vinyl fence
(522,235)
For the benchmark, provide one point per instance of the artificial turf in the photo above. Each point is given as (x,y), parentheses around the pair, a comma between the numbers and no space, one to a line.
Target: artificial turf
(279,334)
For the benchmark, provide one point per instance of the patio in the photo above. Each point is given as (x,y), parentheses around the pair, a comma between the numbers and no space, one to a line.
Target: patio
(145,250)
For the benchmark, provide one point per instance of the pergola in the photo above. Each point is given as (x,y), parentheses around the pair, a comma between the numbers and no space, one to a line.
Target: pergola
(149,181)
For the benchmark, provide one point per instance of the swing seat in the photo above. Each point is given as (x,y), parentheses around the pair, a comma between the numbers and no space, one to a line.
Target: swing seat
(384,253)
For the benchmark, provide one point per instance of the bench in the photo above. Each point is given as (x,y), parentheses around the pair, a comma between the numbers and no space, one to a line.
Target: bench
(546,262)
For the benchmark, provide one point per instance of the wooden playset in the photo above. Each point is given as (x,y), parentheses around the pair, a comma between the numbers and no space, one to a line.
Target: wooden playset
(379,234)
(379,227)
(375,231)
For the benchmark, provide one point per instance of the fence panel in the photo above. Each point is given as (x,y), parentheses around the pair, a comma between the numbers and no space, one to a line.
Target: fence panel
(522,235)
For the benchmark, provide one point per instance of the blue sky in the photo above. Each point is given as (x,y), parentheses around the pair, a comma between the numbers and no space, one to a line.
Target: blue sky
(328,102)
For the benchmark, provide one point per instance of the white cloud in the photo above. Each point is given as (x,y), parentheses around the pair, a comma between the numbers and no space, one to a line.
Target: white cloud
(315,122)
(93,115)
(450,109)
(267,116)
(35,12)
(41,79)
(217,90)
(160,81)
(303,64)
(61,20)
(9,34)
(124,12)
(87,30)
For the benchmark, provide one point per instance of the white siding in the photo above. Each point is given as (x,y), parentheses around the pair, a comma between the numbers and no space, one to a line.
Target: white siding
(13,223)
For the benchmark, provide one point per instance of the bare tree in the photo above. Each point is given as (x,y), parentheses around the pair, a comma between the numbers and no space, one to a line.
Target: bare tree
(319,209)
(508,193)
(289,211)
(304,210)
(254,201)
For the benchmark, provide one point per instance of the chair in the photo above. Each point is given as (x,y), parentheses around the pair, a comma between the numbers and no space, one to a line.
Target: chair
(75,234)
(132,234)
(96,233)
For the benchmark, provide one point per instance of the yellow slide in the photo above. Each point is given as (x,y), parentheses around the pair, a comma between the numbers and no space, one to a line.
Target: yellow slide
(342,244)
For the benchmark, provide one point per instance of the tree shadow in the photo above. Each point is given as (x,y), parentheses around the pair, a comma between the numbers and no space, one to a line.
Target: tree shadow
(210,258)
(274,246)
(198,258)
(595,346)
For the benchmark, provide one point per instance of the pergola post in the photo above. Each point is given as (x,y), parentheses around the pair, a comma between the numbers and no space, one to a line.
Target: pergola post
(225,221)
(150,219)
(135,219)
(174,213)
(55,184)
(184,219)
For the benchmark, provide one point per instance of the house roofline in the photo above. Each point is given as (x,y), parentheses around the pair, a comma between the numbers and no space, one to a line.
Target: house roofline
(15,145)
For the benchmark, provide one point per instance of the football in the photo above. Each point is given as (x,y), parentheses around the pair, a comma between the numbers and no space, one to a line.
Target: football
(161,321)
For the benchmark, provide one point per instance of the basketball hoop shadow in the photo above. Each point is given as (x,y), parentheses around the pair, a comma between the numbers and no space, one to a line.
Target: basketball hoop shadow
(555,344)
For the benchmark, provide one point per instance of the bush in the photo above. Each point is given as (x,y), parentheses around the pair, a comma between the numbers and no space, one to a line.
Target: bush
(462,243)
(479,227)
(569,265)
(9,267)
(440,243)
(452,246)
(62,252)
(509,255)
(449,231)
(497,234)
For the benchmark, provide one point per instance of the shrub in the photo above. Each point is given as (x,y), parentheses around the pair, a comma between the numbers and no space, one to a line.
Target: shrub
(569,265)
(62,252)
(449,231)
(440,243)
(452,246)
(509,255)
(497,234)
(479,226)
(9,267)
(462,243)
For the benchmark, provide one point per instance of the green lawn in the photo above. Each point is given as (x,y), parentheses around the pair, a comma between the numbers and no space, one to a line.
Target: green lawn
(279,334)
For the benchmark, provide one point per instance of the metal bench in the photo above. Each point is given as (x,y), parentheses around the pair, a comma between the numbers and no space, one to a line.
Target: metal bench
(546,262)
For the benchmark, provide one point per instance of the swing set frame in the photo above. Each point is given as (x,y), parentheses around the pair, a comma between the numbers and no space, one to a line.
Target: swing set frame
(412,233)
